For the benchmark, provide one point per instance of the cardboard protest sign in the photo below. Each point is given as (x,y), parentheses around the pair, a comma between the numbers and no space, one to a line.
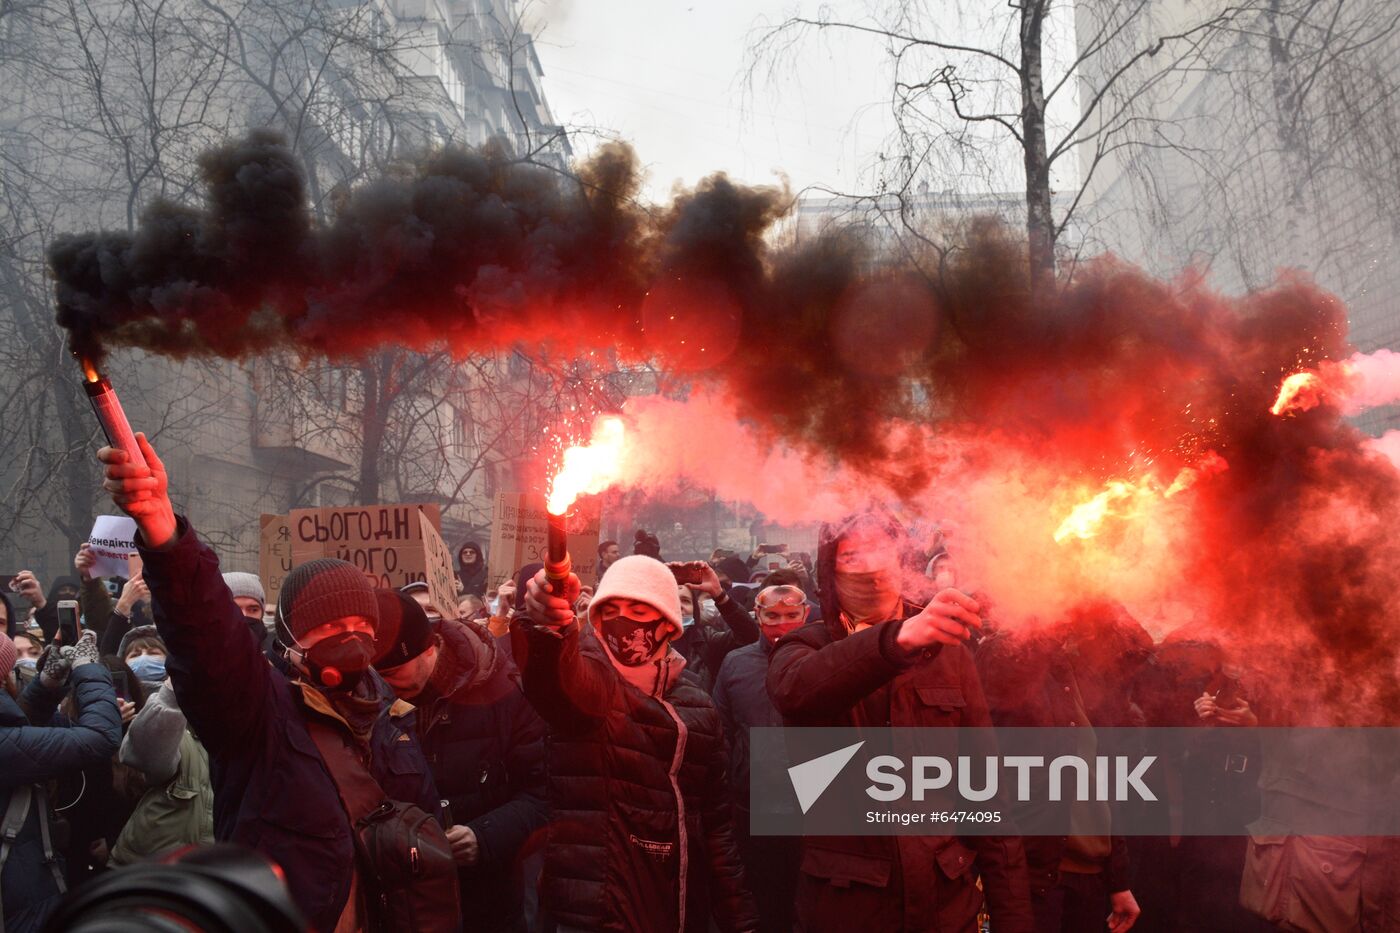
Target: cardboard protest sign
(113,542)
(384,541)
(442,578)
(520,532)
(274,554)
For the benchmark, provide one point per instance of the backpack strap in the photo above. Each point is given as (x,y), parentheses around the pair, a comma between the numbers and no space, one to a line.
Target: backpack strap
(15,815)
(359,792)
(46,838)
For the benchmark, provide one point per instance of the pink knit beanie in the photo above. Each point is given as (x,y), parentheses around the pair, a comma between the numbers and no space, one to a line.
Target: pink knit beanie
(646,580)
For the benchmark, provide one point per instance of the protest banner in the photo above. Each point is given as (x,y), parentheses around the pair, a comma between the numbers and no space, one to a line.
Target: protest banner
(442,578)
(113,542)
(384,541)
(274,554)
(519,529)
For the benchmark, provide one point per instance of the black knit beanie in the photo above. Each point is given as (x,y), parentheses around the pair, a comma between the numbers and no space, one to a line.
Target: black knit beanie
(321,591)
(404,630)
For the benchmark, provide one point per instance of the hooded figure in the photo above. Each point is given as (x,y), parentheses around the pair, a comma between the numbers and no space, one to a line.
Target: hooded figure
(471,568)
(643,835)
(855,669)
(47,618)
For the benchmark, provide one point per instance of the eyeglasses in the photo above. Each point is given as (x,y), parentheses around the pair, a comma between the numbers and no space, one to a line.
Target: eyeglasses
(782,595)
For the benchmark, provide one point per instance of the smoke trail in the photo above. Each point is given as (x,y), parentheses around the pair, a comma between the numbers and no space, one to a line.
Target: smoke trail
(827,375)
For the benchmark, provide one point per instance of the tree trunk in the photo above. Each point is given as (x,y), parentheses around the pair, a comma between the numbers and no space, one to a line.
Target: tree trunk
(372,426)
(79,470)
(1040,218)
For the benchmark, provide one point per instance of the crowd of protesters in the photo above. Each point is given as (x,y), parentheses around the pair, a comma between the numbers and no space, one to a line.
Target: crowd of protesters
(555,757)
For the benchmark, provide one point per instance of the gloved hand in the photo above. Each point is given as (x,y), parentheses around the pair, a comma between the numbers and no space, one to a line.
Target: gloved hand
(85,651)
(54,668)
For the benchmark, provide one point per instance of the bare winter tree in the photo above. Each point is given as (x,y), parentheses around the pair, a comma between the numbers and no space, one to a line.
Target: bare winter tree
(108,104)
(1285,152)
(985,96)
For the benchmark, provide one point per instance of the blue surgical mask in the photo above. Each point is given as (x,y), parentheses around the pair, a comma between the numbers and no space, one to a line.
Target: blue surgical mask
(148,668)
(28,663)
(687,621)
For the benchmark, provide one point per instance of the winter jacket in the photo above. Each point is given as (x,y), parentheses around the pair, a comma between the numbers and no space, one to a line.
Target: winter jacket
(473,576)
(178,808)
(1030,683)
(485,745)
(272,791)
(641,837)
(741,696)
(704,646)
(864,679)
(37,753)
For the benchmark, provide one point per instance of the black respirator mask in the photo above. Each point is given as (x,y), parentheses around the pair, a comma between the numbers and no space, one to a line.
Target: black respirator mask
(337,662)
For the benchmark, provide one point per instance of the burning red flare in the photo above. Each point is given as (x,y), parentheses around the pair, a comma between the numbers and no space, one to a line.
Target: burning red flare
(1129,500)
(1299,392)
(108,409)
(588,469)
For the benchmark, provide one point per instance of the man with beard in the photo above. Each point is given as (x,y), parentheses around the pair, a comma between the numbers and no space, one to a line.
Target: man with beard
(879,661)
(643,836)
(484,743)
(275,741)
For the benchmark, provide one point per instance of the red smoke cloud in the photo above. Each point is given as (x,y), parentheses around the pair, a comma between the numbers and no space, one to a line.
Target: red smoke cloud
(826,377)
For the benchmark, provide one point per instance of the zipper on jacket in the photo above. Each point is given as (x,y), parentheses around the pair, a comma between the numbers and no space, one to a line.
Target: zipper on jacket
(681,834)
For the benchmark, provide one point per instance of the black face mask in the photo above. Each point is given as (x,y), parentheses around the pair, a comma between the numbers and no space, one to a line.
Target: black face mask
(632,643)
(338,662)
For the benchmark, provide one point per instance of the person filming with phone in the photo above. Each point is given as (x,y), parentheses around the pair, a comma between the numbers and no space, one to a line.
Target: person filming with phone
(38,745)
(704,643)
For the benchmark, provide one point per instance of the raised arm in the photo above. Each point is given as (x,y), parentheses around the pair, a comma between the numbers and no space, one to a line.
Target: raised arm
(743,628)
(814,681)
(152,743)
(222,680)
(45,752)
(566,688)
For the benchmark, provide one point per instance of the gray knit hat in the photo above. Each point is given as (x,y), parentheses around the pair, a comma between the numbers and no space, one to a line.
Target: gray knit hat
(245,584)
(140,631)
(321,591)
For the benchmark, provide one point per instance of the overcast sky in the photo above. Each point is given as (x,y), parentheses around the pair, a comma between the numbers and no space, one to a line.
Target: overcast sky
(669,76)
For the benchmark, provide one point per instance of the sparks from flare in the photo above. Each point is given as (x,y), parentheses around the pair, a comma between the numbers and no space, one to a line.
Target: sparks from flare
(1125,499)
(588,469)
(1299,392)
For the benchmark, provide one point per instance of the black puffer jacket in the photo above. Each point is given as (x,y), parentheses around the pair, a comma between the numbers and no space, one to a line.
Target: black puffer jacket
(642,835)
(485,745)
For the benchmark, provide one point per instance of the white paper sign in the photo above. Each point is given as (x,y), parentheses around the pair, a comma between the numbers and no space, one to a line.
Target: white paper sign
(113,543)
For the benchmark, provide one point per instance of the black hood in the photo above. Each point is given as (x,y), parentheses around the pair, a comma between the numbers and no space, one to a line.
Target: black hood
(829,538)
(60,583)
(473,576)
